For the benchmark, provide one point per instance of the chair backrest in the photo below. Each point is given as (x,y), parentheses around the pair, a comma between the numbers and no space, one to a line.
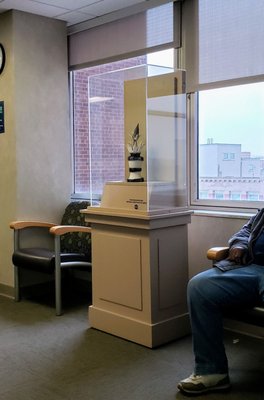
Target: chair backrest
(76,242)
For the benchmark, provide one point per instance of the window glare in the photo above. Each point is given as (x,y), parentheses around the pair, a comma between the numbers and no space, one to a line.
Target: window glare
(162,58)
(231,143)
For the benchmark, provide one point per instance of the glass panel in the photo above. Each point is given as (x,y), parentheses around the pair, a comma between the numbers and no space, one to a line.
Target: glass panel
(106,133)
(82,173)
(167,150)
(82,162)
(140,150)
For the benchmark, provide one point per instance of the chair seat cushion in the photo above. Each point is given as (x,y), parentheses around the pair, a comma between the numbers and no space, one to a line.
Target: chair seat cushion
(42,259)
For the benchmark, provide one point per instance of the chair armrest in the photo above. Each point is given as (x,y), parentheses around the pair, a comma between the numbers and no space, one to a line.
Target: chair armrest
(62,229)
(30,224)
(217,253)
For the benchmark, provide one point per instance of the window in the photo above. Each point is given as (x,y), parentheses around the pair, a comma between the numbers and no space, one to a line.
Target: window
(204,194)
(219,195)
(253,196)
(230,143)
(235,196)
(225,77)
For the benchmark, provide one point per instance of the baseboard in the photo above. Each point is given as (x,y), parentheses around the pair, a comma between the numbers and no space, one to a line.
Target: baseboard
(7,291)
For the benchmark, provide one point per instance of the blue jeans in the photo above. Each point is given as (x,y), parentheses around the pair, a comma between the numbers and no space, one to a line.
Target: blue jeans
(208,293)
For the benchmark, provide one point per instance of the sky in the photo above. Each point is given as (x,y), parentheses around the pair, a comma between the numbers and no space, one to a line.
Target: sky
(234,115)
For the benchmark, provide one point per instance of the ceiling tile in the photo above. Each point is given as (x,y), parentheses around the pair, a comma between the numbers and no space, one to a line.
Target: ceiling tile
(69,4)
(32,7)
(71,11)
(75,17)
(107,6)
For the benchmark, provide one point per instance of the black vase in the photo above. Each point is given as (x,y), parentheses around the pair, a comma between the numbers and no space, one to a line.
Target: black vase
(135,167)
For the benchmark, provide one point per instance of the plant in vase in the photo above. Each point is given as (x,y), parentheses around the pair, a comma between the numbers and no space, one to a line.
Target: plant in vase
(135,159)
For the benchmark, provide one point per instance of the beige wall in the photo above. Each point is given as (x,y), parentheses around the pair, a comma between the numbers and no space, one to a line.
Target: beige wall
(35,160)
(7,152)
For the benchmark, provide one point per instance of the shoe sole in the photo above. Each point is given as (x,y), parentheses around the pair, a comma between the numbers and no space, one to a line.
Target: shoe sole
(224,387)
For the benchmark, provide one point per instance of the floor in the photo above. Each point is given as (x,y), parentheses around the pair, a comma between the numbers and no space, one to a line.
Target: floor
(44,357)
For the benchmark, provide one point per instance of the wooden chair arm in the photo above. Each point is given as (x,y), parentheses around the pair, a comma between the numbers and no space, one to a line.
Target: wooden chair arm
(30,224)
(62,229)
(217,253)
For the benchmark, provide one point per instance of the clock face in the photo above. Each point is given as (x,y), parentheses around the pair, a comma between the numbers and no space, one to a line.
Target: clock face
(2,58)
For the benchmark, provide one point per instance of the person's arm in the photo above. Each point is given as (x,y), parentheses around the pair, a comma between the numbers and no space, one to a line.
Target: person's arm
(240,238)
(238,243)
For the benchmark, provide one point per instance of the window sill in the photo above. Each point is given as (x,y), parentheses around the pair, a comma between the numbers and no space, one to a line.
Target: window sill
(222,214)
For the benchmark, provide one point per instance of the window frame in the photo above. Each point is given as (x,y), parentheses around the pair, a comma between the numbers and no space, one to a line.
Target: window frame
(188,59)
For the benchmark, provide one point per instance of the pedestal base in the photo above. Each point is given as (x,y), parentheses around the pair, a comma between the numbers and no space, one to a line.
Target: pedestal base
(146,334)
(139,275)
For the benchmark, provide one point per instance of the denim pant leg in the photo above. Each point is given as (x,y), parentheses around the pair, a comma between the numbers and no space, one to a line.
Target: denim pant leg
(208,293)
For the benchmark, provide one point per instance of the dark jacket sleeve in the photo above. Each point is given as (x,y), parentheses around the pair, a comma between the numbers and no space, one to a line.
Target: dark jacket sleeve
(241,238)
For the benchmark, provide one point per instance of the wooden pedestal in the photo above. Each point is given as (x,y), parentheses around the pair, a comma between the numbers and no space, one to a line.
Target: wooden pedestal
(139,275)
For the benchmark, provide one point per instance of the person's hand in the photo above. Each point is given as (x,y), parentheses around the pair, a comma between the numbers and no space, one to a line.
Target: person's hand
(236,254)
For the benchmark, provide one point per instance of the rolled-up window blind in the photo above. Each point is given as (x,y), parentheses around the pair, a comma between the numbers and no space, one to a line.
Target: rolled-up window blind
(129,36)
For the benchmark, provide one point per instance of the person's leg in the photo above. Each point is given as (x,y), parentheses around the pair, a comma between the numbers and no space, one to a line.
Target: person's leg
(208,293)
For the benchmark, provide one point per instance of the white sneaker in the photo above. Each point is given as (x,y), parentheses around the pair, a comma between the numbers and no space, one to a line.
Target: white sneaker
(204,383)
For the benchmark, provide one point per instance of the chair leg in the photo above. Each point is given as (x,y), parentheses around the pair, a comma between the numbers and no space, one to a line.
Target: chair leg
(17,287)
(57,277)
(58,295)
(16,269)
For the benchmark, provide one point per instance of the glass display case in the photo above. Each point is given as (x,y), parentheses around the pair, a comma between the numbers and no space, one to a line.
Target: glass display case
(137,138)
(139,228)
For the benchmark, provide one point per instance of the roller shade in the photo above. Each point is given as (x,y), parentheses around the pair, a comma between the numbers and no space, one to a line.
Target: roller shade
(224,42)
(129,36)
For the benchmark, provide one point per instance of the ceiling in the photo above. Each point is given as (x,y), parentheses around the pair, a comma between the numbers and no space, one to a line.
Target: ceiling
(71,11)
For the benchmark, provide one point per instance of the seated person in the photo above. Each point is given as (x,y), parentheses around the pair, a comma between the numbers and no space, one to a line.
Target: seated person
(237,281)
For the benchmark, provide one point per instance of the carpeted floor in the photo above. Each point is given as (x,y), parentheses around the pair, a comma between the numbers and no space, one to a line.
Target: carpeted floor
(44,357)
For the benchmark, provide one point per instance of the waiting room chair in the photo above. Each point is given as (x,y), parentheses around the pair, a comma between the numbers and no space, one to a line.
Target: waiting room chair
(251,316)
(71,248)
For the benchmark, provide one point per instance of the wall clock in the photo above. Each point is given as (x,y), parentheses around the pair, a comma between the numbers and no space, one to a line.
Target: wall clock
(2,58)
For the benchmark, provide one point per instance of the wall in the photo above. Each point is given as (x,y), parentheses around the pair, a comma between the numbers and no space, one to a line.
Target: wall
(35,159)
(7,152)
